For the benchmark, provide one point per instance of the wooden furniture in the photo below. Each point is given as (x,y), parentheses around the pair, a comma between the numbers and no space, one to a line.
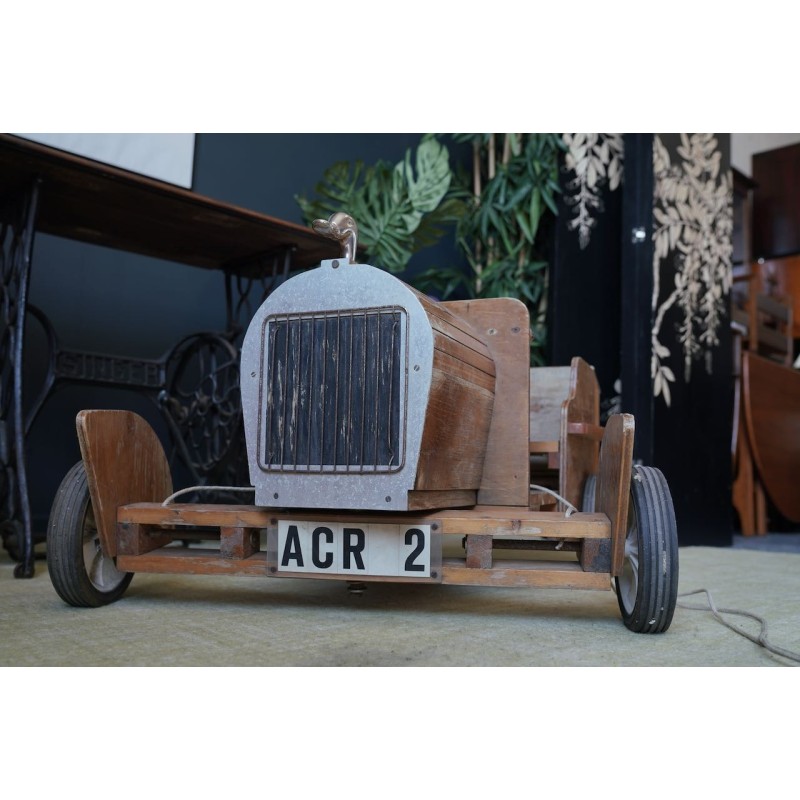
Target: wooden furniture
(764,318)
(771,405)
(766,334)
(776,202)
(47,190)
(564,428)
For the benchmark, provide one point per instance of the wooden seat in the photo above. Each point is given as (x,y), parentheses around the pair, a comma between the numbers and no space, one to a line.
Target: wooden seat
(565,431)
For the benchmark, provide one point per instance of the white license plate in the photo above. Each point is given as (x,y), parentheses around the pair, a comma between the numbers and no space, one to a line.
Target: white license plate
(354,550)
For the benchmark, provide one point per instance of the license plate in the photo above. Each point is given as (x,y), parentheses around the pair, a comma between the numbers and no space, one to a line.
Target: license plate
(355,550)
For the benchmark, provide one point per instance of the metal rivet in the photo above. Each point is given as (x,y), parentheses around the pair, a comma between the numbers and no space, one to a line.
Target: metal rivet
(434,574)
(275,496)
(492,331)
(273,569)
(335,265)
(388,499)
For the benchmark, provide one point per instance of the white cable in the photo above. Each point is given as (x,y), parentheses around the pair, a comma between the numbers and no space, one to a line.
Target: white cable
(761,639)
(207,489)
(571,508)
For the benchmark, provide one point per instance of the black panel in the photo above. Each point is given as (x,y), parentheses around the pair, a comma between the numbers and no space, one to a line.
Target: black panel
(584,290)
(692,434)
(333,388)
(637,291)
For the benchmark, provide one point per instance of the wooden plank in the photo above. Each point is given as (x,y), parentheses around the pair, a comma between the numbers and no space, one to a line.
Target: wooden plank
(216,515)
(543,447)
(614,481)
(457,422)
(467,349)
(549,388)
(542,574)
(419,500)
(505,520)
(194,561)
(134,539)
(125,463)
(504,325)
(585,429)
(479,552)
(466,372)
(595,555)
(526,574)
(579,453)
(238,542)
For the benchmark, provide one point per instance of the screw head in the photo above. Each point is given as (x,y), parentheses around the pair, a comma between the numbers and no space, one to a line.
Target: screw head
(335,265)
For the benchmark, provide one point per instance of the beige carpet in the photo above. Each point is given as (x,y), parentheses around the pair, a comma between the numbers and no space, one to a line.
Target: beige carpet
(166,620)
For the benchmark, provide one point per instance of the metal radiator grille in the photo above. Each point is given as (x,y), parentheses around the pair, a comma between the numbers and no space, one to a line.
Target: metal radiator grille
(333,391)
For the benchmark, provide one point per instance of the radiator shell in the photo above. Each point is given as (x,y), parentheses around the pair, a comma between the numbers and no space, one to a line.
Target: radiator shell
(360,393)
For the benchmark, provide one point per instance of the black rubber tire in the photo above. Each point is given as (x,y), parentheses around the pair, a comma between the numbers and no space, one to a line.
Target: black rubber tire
(589,492)
(647,590)
(70,532)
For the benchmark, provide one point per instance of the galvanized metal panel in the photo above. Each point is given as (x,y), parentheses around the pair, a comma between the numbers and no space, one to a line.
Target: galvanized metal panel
(308,473)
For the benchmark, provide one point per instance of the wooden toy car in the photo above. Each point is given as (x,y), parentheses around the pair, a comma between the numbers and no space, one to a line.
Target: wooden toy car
(390,438)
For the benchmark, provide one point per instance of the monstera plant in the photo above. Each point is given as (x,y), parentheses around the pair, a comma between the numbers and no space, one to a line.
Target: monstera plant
(503,233)
(498,213)
(400,208)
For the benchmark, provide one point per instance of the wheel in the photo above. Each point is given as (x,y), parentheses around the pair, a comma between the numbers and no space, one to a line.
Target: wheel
(589,491)
(647,589)
(81,575)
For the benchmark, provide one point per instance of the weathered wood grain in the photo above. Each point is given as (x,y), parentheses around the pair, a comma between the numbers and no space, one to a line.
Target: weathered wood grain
(614,482)
(125,463)
(508,521)
(504,325)
(580,432)
(542,574)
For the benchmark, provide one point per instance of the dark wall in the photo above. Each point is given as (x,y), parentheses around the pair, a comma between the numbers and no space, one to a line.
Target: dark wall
(109,302)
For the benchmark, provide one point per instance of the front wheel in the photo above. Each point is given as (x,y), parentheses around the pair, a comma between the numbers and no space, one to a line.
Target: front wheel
(647,589)
(81,574)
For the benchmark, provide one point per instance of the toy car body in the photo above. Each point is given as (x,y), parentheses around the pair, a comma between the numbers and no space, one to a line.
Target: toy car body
(389,437)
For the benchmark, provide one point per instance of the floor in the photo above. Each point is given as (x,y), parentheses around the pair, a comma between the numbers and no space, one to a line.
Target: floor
(771,543)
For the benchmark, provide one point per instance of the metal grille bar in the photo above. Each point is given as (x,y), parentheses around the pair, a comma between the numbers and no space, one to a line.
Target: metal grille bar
(333,391)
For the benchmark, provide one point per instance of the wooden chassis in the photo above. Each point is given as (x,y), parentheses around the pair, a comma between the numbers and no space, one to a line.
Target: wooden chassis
(146,534)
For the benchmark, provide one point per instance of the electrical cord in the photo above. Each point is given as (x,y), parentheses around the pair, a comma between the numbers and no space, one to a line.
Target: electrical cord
(761,639)
(191,489)
(570,508)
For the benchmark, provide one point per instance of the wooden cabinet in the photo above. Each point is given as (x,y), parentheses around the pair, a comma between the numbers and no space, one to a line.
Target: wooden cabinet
(776,202)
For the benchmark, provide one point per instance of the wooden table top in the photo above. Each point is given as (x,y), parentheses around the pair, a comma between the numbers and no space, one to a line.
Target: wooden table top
(93,202)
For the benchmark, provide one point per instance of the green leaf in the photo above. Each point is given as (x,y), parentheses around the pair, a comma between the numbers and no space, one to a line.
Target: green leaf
(432,181)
